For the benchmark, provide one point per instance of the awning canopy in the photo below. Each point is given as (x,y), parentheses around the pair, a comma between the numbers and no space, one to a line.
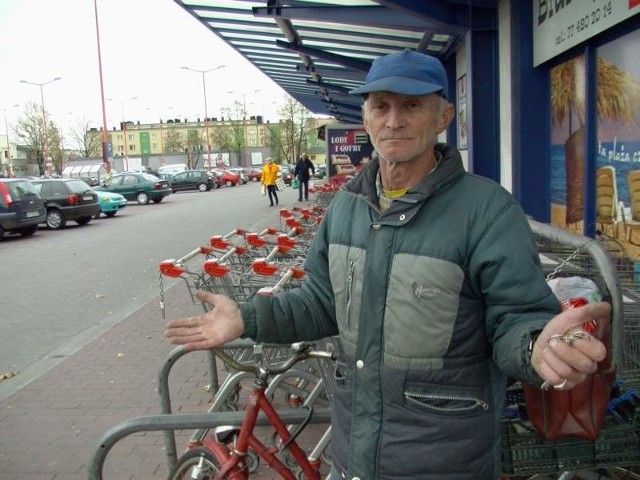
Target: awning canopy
(317,50)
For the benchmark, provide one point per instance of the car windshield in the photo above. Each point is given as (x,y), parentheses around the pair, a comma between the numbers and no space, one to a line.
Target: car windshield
(20,190)
(150,178)
(78,186)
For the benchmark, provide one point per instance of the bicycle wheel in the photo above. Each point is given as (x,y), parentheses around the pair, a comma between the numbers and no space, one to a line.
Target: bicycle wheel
(196,464)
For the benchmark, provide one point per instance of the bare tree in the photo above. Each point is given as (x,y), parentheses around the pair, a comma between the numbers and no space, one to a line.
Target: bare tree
(173,142)
(84,140)
(30,131)
(295,118)
(236,114)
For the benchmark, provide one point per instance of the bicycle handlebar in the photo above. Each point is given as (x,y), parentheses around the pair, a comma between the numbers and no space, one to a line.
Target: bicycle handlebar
(301,351)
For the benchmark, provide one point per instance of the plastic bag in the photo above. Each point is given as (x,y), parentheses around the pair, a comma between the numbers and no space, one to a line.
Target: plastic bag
(295,183)
(263,189)
(567,288)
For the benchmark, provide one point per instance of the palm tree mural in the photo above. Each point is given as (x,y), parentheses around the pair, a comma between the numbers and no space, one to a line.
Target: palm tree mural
(618,98)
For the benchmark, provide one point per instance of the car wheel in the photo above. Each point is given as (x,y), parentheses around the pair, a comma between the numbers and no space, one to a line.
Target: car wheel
(55,219)
(229,183)
(1,234)
(83,220)
(202,187)
(110,214)
(97,215)
(142,198)
(26,231)
(255,179)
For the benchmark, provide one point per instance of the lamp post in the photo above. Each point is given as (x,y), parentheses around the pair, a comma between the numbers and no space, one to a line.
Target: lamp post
(45,144)
(206,115)
(244,120)
(124,131)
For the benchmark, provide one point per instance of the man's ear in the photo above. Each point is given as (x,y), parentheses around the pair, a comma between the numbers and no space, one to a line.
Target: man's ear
(446,117)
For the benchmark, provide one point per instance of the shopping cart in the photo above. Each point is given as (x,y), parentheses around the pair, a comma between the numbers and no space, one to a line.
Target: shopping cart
(525,454)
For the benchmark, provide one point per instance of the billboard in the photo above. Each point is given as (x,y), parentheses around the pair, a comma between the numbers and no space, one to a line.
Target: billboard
(348,151)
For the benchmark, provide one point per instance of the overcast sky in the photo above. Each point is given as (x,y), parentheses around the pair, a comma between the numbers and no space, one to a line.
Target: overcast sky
(143,45)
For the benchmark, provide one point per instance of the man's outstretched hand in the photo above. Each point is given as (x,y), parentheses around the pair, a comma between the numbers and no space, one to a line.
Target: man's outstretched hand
(219,326)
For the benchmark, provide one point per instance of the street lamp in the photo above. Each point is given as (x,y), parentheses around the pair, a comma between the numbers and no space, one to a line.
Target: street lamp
(244,120)
(45,147)
(124,131)
(206,116)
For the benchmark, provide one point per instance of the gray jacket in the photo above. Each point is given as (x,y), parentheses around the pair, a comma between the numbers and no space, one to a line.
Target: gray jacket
(434,301)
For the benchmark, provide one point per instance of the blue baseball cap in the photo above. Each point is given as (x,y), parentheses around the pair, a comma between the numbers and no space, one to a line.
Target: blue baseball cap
(405,73)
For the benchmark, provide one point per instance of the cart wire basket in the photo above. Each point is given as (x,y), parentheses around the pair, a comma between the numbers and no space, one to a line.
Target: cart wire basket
(524,452)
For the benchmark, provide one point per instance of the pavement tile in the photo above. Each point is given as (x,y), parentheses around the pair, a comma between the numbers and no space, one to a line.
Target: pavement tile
(51,427)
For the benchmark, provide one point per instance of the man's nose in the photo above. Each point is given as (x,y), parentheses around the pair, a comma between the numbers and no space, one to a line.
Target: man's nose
(394,118)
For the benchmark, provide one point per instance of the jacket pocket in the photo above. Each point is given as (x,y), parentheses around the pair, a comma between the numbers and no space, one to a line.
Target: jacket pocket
(447,401)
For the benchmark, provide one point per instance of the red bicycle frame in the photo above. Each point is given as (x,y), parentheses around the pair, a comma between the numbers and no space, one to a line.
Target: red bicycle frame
(231,457)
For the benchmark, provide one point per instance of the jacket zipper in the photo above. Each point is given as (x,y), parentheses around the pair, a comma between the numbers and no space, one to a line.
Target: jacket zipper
(350,273)
(475,402)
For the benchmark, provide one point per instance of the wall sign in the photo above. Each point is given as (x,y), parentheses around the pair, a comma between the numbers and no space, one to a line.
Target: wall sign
(559,25)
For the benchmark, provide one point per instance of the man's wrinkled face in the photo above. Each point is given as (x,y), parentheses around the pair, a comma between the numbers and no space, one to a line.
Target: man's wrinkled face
(403,127)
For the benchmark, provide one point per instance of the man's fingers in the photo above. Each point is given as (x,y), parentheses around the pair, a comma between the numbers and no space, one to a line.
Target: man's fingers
(598,311)
(206,296)
(184,322)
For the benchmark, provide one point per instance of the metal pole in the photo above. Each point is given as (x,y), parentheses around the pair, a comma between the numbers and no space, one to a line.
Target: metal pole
(206,115)
(105,147)
(206,121)
(6,128)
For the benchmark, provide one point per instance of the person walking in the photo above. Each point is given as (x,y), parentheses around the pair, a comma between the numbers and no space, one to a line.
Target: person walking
(303,171)
(268,179)
(430,278)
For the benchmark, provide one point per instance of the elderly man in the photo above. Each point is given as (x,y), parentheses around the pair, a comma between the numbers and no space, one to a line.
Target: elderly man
(430,277)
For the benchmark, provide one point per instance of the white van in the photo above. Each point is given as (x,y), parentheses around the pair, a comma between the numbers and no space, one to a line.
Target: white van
(168,171)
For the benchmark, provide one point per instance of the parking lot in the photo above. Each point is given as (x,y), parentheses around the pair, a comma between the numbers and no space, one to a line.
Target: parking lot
(61,289)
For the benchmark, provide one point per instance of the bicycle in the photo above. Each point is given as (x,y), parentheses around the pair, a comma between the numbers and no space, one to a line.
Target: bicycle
(230,452)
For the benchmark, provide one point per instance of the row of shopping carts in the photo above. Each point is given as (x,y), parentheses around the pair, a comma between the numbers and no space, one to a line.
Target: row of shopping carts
(241,264)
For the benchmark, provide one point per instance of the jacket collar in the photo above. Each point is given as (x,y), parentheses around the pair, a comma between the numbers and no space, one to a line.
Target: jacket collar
(448,171)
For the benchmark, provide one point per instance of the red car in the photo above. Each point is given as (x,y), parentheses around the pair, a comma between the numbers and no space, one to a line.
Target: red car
(287,173)
(228,178)
(254,174)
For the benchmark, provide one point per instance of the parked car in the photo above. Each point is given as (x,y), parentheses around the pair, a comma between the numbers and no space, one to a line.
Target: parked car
(228,178)
(287,173)
(67,199)
(110,203)
(244,178)
(168,171)
(141,187)
(254,174)
(201,180)
(321,171)
(21,208)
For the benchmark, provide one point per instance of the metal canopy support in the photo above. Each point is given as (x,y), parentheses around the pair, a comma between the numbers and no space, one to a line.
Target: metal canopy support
(531,119)
(482,82)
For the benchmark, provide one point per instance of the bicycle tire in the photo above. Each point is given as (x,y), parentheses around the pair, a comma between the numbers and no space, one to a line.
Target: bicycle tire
(183,467)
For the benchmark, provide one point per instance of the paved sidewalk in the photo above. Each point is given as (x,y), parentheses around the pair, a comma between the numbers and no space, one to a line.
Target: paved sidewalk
(50,428)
